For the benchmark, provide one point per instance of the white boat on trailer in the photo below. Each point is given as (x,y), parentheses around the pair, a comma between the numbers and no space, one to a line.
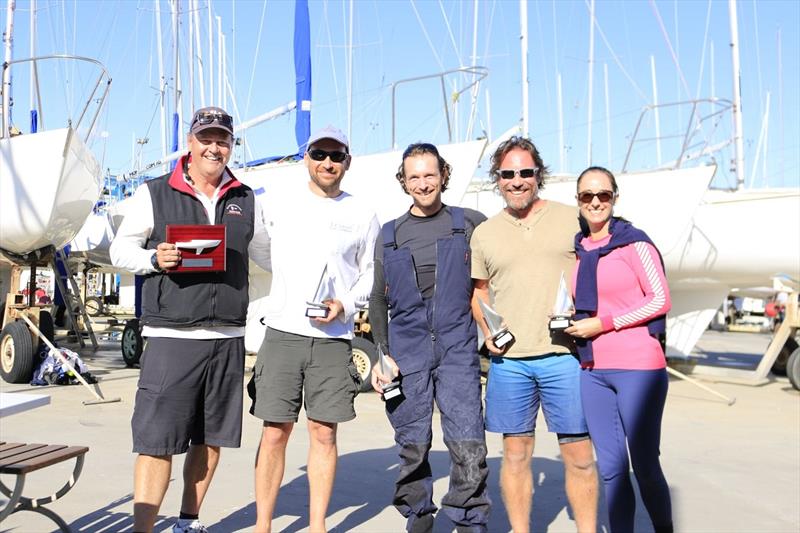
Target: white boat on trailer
(49,183)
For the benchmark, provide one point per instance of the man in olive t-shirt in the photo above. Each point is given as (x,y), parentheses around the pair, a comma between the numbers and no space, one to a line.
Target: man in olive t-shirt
(521,253)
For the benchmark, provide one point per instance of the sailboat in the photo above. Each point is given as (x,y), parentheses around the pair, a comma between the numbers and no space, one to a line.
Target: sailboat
(49,180)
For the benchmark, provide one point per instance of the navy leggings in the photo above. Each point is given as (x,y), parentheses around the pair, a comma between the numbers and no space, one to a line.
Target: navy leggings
(620,405)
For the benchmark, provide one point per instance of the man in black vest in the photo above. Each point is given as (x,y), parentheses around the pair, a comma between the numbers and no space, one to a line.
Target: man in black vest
(422,279)
(190,386)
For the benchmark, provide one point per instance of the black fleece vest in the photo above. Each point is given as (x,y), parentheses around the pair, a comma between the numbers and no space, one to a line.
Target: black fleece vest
(206,299)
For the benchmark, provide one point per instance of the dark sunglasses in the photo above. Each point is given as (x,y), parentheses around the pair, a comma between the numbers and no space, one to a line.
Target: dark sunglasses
(423,147)
(321,155)
(508,174)
(213,118)
(586,197)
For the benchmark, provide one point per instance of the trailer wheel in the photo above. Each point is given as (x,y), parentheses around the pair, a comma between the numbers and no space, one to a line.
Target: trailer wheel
(365,356)
(132,342)
(93,306)
(16,353)
(793,369)
(46,327)
(779,366)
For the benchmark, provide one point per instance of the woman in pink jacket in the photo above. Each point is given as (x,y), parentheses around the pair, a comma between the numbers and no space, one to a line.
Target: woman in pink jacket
(621,302)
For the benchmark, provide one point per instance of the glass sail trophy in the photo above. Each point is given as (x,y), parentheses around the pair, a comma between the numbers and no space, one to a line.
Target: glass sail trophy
(391,389)
(563,308)
(316,306)
(497,331)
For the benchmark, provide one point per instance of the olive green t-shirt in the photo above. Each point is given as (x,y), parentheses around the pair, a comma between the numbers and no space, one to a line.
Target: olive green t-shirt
(523,262)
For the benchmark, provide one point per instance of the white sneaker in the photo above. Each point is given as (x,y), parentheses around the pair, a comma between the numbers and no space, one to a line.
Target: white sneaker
(189,526)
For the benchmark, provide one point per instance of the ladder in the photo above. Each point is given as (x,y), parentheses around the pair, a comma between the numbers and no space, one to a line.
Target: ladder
(72,298)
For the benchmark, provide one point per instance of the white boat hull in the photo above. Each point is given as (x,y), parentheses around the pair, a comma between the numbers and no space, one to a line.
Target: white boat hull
(49,183)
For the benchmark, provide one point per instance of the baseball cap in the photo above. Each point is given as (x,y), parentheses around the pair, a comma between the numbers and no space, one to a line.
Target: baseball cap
(207,118)
(329,132)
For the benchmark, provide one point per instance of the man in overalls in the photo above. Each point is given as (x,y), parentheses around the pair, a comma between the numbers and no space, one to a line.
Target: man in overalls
(422,276)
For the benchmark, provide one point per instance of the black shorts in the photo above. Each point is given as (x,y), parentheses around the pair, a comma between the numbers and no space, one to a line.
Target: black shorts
(190,392)
(293,370)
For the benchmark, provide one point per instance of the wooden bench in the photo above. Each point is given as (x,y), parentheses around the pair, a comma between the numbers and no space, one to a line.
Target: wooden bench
(20,459)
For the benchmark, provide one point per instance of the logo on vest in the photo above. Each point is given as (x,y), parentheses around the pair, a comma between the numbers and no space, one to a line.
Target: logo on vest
(234,209)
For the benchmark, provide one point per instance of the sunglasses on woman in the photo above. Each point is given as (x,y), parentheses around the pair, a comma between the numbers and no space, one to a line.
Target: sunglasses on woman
(508,174)
(586,197)
(321,155)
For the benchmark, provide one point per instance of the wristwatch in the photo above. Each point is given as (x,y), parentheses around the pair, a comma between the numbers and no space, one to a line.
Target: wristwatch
(154,262)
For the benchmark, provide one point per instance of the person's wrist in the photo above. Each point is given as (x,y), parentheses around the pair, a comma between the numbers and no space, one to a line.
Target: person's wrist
(154,262)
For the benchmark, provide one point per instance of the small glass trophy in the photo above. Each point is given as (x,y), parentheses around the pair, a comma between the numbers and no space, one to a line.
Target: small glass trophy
(391,389)
(563,309)
(497,331)
(317,308)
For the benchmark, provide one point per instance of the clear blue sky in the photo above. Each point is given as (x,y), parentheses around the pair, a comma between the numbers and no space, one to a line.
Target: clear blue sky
(399,39)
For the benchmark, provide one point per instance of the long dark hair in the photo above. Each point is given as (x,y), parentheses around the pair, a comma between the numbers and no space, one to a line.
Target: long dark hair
(614,188)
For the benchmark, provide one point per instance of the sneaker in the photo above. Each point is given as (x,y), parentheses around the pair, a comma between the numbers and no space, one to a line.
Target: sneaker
(189,526)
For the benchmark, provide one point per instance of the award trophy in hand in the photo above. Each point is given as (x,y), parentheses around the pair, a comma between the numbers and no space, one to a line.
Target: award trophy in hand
(563,309)
(497,331)
(391,389)
(317,308)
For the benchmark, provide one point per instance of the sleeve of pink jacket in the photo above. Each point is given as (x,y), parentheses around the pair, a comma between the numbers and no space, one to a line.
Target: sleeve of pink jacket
(655,299)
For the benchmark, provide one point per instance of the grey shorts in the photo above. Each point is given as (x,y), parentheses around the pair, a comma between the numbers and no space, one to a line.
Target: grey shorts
(190,392)
(290,365)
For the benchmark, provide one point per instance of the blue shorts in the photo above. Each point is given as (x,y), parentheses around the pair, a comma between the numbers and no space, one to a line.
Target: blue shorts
(516,387)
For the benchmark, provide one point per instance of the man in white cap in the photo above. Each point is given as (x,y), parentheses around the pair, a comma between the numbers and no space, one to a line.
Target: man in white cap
(189,397)
(322,252)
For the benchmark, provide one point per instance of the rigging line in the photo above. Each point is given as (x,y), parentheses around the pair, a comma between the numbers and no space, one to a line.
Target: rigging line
(758,59)
(544,61)
(450,33)
(427,37)
(616,58)
(489,35)
(555,36)
(333,59)
(255,59)
(703,55)
(671,50)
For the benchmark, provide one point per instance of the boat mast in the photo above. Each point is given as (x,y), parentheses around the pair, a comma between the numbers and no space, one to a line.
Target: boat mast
(162,82)
(655,110)
(34,92)
(7,38)
(562,151)
(199,52)
(737,96)
(350,75)
(523,41)
(176,112)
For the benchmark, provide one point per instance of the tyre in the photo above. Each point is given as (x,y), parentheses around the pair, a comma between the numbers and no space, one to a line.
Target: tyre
(16,353)
(793,369)
(779,366)
(93,306)
(132,342)
(365,356)
(46,327)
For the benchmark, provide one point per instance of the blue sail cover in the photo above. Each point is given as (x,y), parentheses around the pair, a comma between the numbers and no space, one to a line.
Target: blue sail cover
(34,121)
(302,72)
(175,139)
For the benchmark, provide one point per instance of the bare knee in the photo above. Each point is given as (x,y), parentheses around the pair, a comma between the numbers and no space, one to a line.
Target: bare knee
(579,458)
(517,452)
(322,433)
(275,435)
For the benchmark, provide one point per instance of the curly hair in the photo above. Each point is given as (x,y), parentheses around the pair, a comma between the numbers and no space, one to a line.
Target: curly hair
(519,143)
(420,149)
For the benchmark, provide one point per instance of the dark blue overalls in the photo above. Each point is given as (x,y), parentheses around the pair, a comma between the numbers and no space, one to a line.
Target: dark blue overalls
(434,342)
